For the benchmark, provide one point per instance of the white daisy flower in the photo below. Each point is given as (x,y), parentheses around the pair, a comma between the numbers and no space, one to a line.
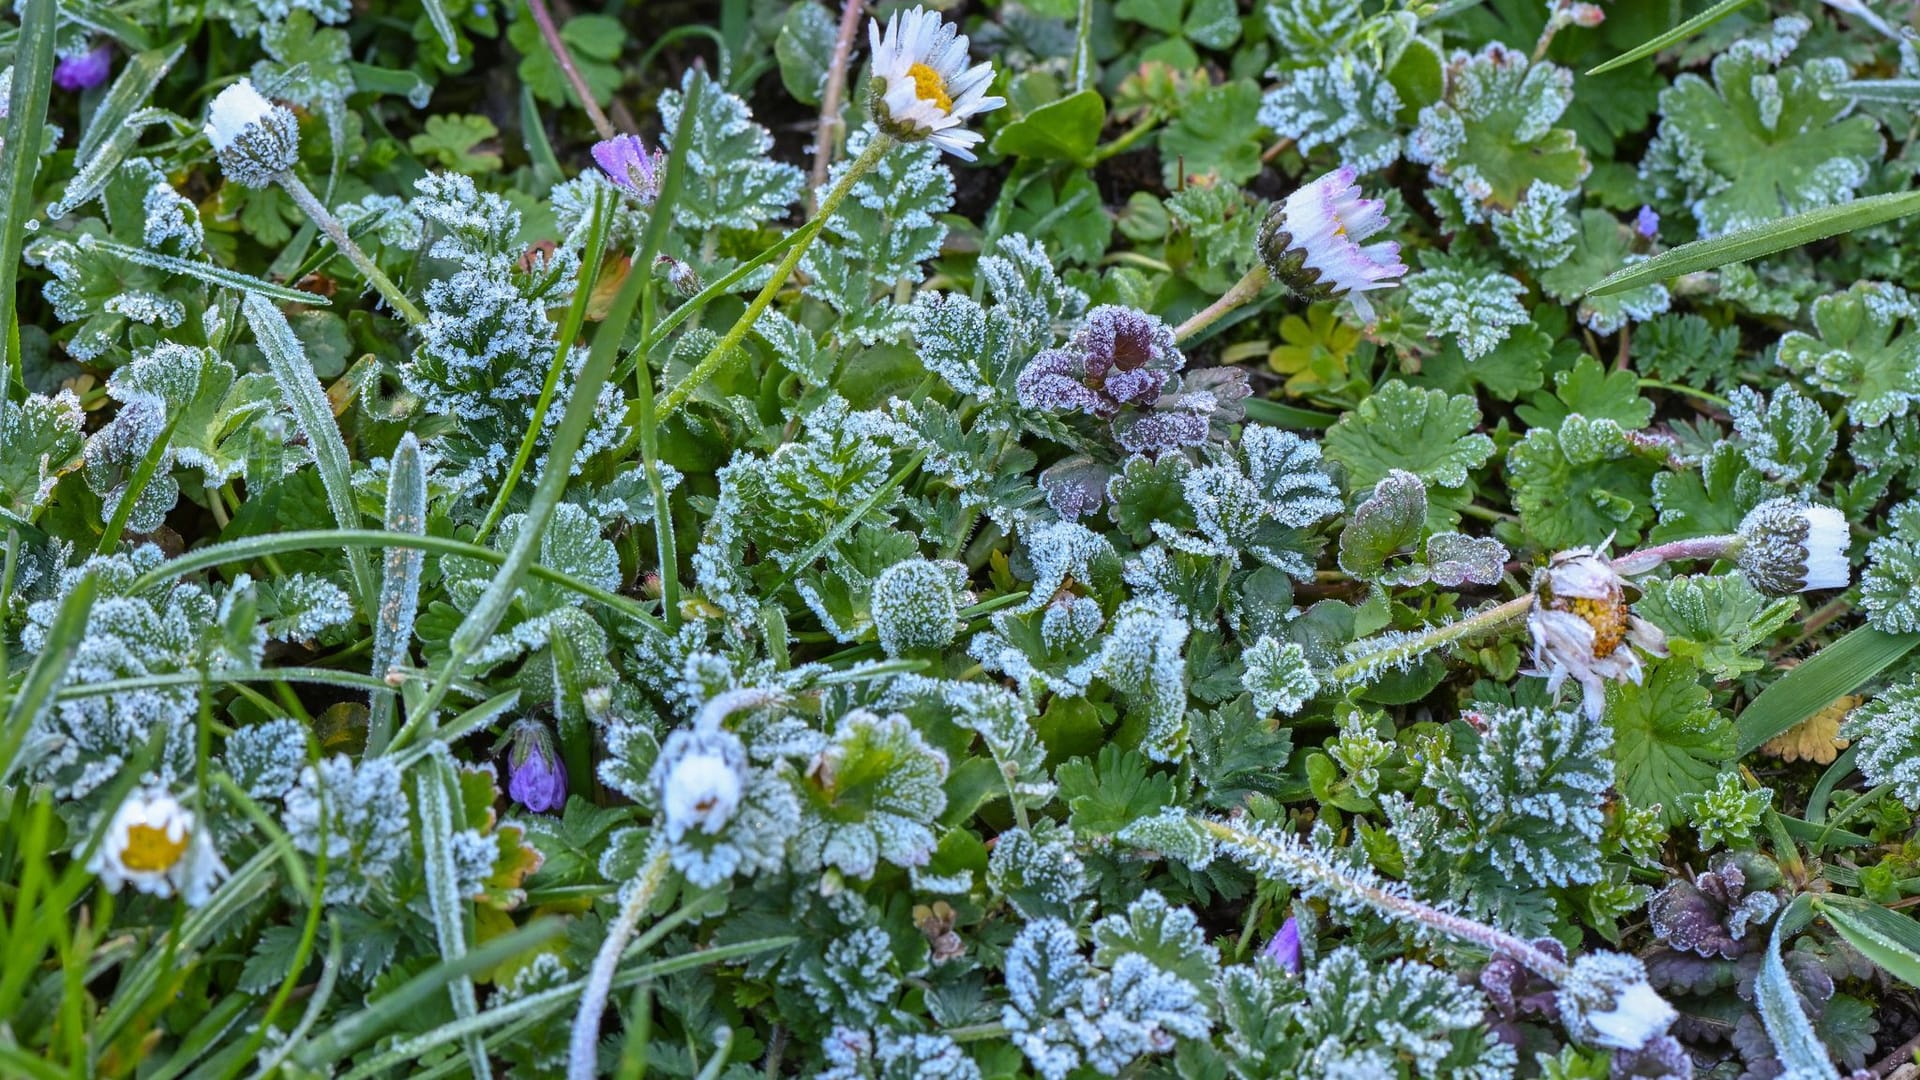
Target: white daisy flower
(1312,243)
(156,845)
(922,86)
(1788,546)
(254,139)
(1582,628)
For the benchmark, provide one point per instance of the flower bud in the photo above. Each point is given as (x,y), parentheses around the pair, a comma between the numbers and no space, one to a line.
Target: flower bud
(1311,243)
(684,279)
(254,139)
(1284,949)
(536,779)
(1787,546)
(1606,1001)
(85,71)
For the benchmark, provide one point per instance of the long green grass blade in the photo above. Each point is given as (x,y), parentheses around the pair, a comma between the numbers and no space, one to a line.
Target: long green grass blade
(437,789)
(1887,938)
(1760,240)
(1893,91)
(399,582)
(131,89)
(1835,670)
(207,272)
(1679,33)
(1792,1034)
(37,693)
(20,156)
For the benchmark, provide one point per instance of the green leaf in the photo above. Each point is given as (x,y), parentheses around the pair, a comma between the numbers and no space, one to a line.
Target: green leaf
(1592,391)
(450,140)
(25,126)
(1601,244)
(1428,433)
(1715,621)
(1065,130)
(1712,501)
(1217,131)
(1887,938)
(1760,240)
(804,48)
(1788,1028)
(1111,792)
(1381,542)
(1582,483)
(595,42)
(1868,351)
(1890,589)
(1669,740)
(40,440)
(1840,668)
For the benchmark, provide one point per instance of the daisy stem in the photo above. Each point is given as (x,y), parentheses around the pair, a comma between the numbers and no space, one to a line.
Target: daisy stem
(1243,290)
(826,137)
(337,232)
(715,359)
(583,1058)
(1444,634)
(557,45)
(1700,547)
(1324,874)
(1083,48)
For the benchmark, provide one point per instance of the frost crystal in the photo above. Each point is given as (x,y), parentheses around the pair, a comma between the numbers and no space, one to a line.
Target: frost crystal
(916,605)
(871,794)
(1466,302)
(1278,677)
(1888,731)
(266,759)
(362,810)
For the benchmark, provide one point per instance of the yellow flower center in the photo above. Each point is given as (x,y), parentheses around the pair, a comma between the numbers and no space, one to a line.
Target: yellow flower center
(1608,619)
(150,850)
(929,86)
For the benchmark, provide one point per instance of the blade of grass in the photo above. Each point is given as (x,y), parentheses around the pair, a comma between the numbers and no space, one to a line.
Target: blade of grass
(1760,240)
(37,692)
(1679,33)
(436,786)
(1835,670)
(131,89)
(26,125)
(207,272)
(367,1024)
(399,584)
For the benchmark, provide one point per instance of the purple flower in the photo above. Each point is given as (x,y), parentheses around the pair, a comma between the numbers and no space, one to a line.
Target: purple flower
(1647,223)
(535,777)
(86,71)
(1312,243)
(1284,949)
(627,162)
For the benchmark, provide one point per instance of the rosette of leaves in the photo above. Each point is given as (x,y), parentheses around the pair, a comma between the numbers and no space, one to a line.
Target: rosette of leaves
(1491,136)
(1763,140)
(871,794)
(1509,794)
(360,813)
(1349,1017)
(1137,997)
(1867,352)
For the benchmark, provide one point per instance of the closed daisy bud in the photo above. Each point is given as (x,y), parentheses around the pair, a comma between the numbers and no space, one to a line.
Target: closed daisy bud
(702,778)
(922,86)
(1787,546)
(1606,1001)
(156,845)
(254,139)
(627,162)
(684,279)
(1312,243)
(1582,628)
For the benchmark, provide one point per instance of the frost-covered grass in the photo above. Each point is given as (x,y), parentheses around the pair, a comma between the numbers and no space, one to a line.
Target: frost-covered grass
(1057,539)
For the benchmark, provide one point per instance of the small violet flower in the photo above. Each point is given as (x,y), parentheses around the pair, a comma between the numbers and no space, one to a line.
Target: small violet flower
(85,71)
(629,163)
(536,778)
(1312,243)
(1284,949)
(1647,223)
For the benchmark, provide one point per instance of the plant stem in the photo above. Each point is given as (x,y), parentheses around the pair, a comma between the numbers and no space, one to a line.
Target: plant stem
(709,365)
(323,217)
(1700,547)
(583,1045)
(826,137)
(555,44)
(1083,48)
(1243,290)
(1445,634)
(1326,876)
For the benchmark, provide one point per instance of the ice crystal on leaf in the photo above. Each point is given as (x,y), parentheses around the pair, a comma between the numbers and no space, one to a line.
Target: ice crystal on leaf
(1888,731)
(1540,230)
(888,1055)
(1763,139)
(1583,483)
(1279,677)
(879,238)
(266,759)
(1788,439)
(871,795)
(1465,300)
(1491,138)
(730,182)
(1341,103)
(361,811)
(40,439)
(1867,351)
(1890,588)
(1258,495)
(1039,872)
(1727,814)
(916,604)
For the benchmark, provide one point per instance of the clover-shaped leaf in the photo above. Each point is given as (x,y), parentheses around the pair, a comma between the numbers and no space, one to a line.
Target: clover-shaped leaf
(1868,351)
(1582,483)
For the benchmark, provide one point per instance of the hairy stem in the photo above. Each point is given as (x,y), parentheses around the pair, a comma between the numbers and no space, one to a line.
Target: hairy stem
(826,137)
(710,365)
(1700,547)
(550,33)
(1243,290)
(1444,634)
(583,1045)
(337,232)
